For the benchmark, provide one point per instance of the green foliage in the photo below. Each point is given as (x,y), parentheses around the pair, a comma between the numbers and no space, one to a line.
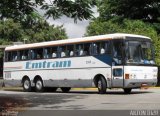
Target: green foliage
(20,9)
(146,10)
(77,9)
(118,25)
(11,31)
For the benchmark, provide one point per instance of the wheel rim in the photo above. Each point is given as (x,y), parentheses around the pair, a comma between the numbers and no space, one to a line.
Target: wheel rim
(26,84)
(39,85)
(99,85)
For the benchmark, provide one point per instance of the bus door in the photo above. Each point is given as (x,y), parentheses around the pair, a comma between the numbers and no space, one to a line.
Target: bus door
(117,63)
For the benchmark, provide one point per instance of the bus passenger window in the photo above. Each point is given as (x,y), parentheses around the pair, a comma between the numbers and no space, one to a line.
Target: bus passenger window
(21,56)
(39,53)
(25,54)
(79,50)
(62,51)
(102,48)
(95,47)
(70,50)
(32,52)
(54,52)
(47,52)
(14,56)
(87,49)
(9,56)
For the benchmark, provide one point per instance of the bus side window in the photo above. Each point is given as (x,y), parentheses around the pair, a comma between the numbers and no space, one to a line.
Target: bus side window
(9,56)
(79,50)
(21,55)
(62,51)
(102,48)
(87,49)
(54,52)
(14,56)
(94,48)
(39,53)
(26,54)
(32,54)
(47,53)
(70,50)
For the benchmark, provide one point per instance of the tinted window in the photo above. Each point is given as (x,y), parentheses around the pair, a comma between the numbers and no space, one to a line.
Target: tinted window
(79,50)
(36,53)
(62,51)
(87,49)
(47,53)
(54,53)
(70,50)
(23,54)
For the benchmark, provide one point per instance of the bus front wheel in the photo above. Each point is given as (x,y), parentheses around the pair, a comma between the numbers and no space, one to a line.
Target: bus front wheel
(27,85)
(39,85)
(127,90)
(101,86)
(65,89)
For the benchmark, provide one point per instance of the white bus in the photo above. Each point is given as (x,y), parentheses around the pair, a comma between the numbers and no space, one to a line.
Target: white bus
(105,61)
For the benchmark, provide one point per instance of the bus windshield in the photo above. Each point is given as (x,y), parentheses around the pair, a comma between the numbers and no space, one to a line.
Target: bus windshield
(139,52)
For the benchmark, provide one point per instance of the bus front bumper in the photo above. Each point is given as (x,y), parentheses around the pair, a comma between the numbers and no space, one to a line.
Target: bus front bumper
(139,83)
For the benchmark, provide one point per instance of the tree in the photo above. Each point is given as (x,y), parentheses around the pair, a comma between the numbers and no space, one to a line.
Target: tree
(119,25)
(11,31)
(20,9)
(145,10)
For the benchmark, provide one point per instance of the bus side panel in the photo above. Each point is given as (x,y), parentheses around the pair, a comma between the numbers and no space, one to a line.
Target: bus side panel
(64,72)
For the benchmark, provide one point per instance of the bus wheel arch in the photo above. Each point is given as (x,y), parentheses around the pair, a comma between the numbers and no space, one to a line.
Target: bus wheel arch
(101,83)
(26,84)
(39,84)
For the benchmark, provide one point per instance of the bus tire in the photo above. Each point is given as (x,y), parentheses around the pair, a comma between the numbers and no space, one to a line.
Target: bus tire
(39,85)
(65,89)
(127,90)
(102,85)
(26,85)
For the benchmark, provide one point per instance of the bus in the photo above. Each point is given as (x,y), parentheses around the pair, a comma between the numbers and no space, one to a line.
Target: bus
(105,61)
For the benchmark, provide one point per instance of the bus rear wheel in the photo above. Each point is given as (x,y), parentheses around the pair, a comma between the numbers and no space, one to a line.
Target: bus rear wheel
(127,90)
(26,85)
(65,89)
(101,85)
(39,85)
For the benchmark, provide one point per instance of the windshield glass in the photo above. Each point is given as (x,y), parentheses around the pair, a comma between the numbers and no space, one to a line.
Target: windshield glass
(139,52)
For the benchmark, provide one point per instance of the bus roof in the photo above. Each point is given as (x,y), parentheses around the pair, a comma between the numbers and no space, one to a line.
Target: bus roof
(75,40)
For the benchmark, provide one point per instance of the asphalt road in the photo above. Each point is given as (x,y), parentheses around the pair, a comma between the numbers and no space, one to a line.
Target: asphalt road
(80,100)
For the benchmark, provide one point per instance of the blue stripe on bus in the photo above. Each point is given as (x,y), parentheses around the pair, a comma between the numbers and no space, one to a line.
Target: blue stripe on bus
(105,59)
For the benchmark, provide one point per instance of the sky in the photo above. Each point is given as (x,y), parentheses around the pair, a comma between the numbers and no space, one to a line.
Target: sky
(73,30)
